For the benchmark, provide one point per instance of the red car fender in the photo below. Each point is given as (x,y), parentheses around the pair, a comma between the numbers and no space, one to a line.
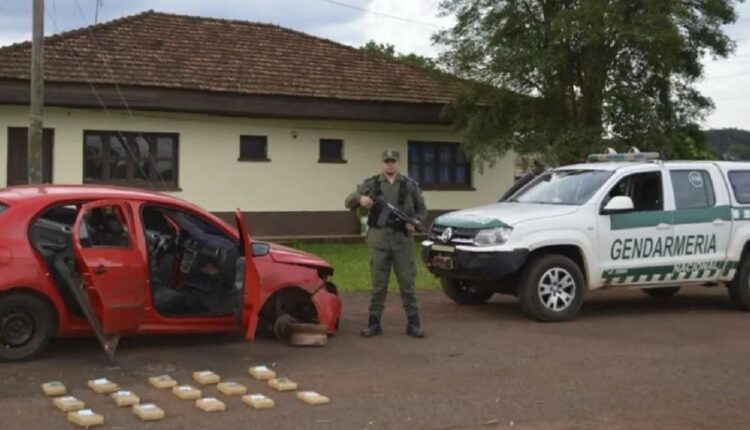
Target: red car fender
(328,306)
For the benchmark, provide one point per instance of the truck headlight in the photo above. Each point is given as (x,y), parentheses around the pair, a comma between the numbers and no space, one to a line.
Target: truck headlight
(492,236)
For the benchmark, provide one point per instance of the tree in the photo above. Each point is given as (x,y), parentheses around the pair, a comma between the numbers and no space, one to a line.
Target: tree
(387,50)
(567,77)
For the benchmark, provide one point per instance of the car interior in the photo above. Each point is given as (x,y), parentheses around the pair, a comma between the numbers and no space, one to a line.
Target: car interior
(645,189)
(192,263)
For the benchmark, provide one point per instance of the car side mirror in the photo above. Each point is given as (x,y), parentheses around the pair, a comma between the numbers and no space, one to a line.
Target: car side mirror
(260,249)
(618,204)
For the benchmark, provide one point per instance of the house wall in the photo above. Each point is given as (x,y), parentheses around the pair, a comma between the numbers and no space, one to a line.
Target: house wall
(273,193)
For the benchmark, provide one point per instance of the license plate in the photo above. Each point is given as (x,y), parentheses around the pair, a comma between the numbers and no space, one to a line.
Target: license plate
(443,248)
(443,262)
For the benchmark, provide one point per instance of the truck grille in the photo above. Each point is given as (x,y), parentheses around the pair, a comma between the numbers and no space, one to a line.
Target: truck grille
(460,235)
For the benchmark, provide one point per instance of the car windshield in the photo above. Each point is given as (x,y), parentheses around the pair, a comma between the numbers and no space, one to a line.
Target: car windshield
(563,187)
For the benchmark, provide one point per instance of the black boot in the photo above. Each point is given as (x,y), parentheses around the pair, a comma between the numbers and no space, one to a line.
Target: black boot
(373,327)
(413,327)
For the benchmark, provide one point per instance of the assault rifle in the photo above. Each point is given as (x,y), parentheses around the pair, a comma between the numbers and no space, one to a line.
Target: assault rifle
(389,214)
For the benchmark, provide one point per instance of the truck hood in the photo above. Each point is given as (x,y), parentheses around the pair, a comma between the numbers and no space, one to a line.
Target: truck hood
(502,215)
(286,255)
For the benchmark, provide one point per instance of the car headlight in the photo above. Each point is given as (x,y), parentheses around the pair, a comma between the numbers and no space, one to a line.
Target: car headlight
(492,236)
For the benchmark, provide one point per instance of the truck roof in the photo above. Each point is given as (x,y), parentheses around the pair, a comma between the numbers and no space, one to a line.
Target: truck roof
(616,165)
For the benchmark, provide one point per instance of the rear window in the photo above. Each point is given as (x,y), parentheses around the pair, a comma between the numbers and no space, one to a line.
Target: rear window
(692,189)
(740,181)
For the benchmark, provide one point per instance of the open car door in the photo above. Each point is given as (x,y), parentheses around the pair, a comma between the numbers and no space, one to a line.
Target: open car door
(113,273)
(247,282)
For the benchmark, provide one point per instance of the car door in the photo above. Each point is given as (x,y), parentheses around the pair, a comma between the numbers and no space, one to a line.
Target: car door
(247,282)
(702,221)
(112,269)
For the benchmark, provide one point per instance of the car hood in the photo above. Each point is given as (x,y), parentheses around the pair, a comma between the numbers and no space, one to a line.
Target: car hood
(286,255)
(502,215)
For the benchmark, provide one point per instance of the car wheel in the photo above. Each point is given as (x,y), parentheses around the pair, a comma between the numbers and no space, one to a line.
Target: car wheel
(463,293)
(551,288)
(26,326)
(661,293)
(739,288)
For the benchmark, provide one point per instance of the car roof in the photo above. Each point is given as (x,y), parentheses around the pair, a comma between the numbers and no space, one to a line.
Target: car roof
(52,193)
(606,165)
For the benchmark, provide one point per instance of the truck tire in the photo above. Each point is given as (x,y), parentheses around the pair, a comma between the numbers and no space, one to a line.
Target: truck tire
(27,325)
(461,292)
(739,288)
(661,293)
(551,288)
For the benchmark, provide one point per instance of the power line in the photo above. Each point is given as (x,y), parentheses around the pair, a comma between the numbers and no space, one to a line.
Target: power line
(734,75)
(385,15)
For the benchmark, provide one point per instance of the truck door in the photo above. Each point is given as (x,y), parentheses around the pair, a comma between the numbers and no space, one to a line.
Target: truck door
(247,282)
(702,221)
(631,244)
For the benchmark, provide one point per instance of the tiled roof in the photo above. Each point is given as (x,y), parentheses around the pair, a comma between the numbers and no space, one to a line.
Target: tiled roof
(173,51)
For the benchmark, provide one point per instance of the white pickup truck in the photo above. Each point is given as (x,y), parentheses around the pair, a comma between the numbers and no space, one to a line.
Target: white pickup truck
(643,223)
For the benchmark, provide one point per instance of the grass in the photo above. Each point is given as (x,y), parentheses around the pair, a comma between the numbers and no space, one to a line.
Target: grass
(351,263)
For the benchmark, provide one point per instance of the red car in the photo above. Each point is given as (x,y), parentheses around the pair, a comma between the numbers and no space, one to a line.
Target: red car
(118,261)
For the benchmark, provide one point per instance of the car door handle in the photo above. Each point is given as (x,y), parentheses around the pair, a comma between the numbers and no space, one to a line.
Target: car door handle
(719,222)
(100,270)
(663,226)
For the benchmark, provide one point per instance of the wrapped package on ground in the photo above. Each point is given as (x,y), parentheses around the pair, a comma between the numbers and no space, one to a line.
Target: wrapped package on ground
(85,418)
(262,373)
(148,412)
(206,377)
(125,398)
(258,401)
(210,404)
(282,384)
(231,388)
(162,381)
(313,398)
(186,392)
(68,403)
(54,389)
(103,386)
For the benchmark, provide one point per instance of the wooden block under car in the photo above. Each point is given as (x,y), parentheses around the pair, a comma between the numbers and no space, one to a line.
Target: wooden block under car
(125,398)
(231,388)
(54,389)
(210,404)
(186,392)
(261,373)
(85,418)
(162,381)
(68,403)
(313,398)
(103,386)
(303,334)
(282,384)
(206,377)
(148,412)
(258,401)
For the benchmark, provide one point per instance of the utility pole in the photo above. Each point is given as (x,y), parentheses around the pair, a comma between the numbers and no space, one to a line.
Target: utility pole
(36,99)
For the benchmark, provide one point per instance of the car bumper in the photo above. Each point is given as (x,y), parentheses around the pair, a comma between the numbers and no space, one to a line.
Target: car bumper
(328,306)
(473,265)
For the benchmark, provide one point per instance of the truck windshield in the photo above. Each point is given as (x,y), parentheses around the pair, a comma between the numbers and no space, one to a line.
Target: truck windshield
(563,187)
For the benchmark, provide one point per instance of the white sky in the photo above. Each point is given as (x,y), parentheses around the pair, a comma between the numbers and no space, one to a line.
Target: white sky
(351,26)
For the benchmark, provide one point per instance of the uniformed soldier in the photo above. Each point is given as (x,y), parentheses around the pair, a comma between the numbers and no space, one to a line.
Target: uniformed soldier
(391,244)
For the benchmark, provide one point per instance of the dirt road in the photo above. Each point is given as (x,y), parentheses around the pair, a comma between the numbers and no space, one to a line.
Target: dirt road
(628,362)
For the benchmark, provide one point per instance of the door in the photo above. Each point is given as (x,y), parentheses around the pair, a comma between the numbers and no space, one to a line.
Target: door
(18,153)
(632,244)
(702,221)
(247,282)
(113,270)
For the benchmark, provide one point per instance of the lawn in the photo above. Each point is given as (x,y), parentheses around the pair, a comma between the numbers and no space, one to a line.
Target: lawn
(352,266)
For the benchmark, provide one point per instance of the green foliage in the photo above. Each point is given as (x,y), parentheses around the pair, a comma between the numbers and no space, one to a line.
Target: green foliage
(567,77)
(388,51)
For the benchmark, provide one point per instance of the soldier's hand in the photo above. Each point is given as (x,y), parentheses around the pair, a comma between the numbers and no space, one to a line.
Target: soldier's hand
(366,202)
(410,228)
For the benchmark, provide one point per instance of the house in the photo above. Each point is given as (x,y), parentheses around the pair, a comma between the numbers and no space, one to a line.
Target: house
(233,114)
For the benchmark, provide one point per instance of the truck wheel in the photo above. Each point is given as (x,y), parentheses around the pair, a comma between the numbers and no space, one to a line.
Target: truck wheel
(739,288)
(463,293)
(27,325)
(661,293)
(551,288)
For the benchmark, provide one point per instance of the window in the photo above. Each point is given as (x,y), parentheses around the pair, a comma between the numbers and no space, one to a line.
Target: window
(147,160)
(331,151)
(692,189)
(645,189)
(563,187)
(104,227)
(439,166)
(740,181)
(254,148)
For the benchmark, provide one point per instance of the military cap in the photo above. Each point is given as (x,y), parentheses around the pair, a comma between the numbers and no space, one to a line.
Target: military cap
(391,154)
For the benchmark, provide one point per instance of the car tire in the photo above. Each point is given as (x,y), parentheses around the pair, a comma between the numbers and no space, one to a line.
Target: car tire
(661,293)
(551,288)
(27,325)
(461,292)
(739,288)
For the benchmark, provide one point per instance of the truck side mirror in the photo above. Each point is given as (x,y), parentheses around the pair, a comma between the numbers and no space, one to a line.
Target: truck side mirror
(618,204)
